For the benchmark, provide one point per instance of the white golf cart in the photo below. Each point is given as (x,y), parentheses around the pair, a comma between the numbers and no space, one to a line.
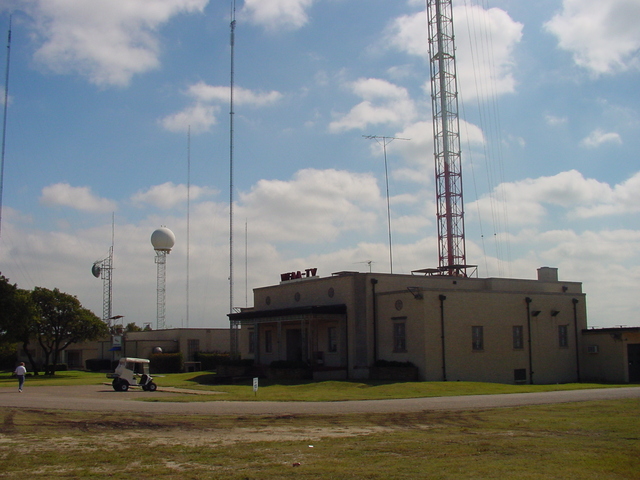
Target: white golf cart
(132,372)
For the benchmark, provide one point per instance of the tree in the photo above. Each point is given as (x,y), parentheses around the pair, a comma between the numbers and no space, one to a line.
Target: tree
(132,327)
(17,318)
(61,321)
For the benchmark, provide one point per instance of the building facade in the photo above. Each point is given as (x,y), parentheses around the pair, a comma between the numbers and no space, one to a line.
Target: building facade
(450,328)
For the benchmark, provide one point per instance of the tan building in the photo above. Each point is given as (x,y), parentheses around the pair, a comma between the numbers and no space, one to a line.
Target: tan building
(450,328)
(612,354)
(142,345)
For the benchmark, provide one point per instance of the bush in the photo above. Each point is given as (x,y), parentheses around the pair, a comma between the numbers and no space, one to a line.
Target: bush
(288,364)
(98,364)
(392,363)
(210,361)
(166,363)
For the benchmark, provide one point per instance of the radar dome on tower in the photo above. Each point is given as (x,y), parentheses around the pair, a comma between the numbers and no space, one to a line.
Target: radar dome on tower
(163,239)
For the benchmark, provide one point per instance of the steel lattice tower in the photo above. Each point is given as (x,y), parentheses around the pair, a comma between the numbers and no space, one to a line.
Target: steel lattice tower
(446,134)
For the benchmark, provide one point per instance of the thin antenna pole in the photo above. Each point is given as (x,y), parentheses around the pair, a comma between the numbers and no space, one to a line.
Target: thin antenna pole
(386,141)
(231,114)
(4,123)
(188,216)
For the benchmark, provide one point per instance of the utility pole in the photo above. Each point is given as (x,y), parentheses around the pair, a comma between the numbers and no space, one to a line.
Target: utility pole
(384,141)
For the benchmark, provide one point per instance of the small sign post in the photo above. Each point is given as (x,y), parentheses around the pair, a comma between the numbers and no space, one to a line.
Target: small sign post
(255,386)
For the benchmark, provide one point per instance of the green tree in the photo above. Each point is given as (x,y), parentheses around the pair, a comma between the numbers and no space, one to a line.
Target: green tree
(61,321)
(17,319)
(132,327)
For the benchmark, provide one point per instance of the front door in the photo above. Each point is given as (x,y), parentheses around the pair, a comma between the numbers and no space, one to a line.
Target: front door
(294,345)
(633,355)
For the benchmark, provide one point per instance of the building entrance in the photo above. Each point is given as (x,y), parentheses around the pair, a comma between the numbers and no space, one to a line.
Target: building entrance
(294,345)
(633,354)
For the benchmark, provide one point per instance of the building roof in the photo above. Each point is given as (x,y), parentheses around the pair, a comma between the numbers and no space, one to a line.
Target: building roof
(285,312)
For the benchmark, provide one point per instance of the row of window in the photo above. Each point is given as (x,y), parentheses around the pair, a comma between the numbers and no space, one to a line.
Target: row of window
(477,337)
(400,338)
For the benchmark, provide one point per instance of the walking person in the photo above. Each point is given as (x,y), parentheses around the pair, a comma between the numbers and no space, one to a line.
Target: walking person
(21,372)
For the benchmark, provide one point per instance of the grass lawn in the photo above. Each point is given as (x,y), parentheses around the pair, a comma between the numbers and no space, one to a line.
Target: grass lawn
(308,391)
(594,440)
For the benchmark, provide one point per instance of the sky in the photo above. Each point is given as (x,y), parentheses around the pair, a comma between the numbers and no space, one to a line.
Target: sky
(118,123)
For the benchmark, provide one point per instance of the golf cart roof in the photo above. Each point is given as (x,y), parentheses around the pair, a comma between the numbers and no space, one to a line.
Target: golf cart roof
(133,360)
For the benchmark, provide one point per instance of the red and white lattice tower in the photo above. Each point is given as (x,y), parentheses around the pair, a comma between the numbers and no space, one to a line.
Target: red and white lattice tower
(446,134)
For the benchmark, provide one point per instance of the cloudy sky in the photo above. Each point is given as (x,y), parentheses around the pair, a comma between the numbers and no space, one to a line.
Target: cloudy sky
(114,108)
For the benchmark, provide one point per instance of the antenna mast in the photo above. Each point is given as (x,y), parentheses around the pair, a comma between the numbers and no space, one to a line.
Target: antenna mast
(188,216)
(446,134)
(386,141)
(4,123)
(234,326)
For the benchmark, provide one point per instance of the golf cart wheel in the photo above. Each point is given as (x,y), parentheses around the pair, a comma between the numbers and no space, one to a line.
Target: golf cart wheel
(145,388)
(116,384)
(152,387)
(123,386)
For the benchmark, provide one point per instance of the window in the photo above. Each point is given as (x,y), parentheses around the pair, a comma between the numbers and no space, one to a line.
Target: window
(399,337)
(193,347)
(520,375)
(268,341)
(332,339)
(518,342)
(477,338)
(563,336)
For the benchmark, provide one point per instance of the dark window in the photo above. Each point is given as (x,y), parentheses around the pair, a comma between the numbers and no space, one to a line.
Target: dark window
(563,336)
(332,339)
(518,342)
(399,337)
(520,375)
(477,338)
(268,341)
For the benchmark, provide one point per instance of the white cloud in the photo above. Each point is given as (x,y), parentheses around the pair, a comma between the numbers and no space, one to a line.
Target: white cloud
(599,137)
(315,206)
(198,116)
(383,103)
(602,35)
(483,69)
(555,121)
(107,41)
(201,115)
(241,96)
(276,15)
(79,198)
(582,198)
(169,195)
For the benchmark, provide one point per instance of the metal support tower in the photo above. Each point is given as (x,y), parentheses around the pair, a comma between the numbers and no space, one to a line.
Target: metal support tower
(446,135)
(104,268)
(161,261)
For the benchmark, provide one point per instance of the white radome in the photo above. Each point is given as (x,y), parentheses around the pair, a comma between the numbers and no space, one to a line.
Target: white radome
(163,239)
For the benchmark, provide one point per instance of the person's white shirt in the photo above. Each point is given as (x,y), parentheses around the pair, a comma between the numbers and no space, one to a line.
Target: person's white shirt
(21,370)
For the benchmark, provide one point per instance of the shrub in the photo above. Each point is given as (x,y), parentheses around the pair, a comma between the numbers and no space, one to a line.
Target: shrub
(98,364)
(288,364)
(166,363)
(210,361)
(392,363)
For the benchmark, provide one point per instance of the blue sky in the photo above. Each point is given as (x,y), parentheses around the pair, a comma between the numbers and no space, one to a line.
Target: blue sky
(102,95)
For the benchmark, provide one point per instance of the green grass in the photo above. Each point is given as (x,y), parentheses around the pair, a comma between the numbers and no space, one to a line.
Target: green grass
(303,392)
(595,440)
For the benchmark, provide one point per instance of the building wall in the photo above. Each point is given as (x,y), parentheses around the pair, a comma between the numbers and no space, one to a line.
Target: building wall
(610,363)
(377,304)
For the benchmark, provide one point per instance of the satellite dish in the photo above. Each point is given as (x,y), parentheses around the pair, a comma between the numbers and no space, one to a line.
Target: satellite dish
(95,270)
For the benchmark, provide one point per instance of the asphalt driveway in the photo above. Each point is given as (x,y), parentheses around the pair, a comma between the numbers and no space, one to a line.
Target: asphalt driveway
(104,398)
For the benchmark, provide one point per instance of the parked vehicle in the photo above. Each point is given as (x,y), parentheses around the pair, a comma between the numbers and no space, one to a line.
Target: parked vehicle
(132,372)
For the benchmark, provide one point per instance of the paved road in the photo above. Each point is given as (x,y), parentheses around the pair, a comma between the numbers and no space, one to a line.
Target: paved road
(104,398)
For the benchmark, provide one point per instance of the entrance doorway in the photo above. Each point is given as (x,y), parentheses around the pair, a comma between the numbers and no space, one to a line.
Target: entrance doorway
(633,355)
(294,345)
